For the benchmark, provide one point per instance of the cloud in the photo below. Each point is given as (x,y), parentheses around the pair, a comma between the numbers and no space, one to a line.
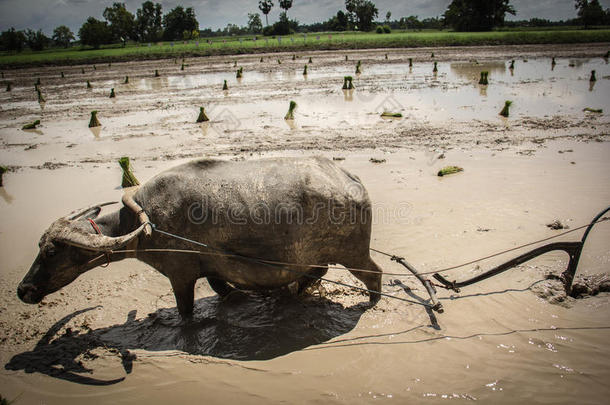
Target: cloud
(48,14)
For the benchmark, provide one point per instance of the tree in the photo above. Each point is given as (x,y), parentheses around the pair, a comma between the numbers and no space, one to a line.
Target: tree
(148,22)
(265,6)
(285,5)
(590,12)
(12,40)
(177,21)
(388,15)
(477,15)
(36,40)
(255,24)
(62,36)
(122,22)
(95,33)
(361,13)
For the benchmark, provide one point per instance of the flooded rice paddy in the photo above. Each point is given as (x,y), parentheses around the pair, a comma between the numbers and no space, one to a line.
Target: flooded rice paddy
(114,335)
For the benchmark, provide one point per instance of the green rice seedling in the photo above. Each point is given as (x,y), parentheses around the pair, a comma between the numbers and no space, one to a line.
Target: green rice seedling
(347,83)
(82,70)
(386,56)
(387,114)
(553,63)
(94,68)
(126,80)
(512,65)
(157,73)
(346,58)
(239,73)
(483,80)
(290,114)
(224,86)
(235,64)
(3,169)
(279,62)
(41,98)
(505,110)
(262,60)
(435,69)
(62,75)
(358,71)
(310,61)
(449,170)
(305,71)
(294,57)
(593,110)
(432,56)
(182,67)
(89,84)
(112,95)
(35,87)
(38,82)
(129,179)
(93,122)
(8,86)
(31,125)
(202,116)
(410,62)
(592,78)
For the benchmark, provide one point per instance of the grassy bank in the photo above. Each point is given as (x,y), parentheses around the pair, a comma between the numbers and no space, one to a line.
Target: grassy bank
(300,42)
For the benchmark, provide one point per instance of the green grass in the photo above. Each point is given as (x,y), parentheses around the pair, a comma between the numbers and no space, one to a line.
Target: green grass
(297,42)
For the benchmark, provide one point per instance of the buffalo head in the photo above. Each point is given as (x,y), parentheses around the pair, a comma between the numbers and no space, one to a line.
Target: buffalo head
(68,248)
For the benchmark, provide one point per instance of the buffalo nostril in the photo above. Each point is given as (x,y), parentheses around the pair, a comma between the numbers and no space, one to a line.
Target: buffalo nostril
(26,293)
(20,292)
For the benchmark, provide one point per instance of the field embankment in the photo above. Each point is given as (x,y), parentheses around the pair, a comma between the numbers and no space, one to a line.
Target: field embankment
(296,43)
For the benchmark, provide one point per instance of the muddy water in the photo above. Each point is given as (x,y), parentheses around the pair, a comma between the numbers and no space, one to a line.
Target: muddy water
(114,336)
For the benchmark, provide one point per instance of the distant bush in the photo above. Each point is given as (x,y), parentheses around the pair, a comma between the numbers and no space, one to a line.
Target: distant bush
(379,29)
(383,29)
(386,29)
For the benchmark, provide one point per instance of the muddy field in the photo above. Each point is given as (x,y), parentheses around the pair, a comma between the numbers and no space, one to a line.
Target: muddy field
(114,335)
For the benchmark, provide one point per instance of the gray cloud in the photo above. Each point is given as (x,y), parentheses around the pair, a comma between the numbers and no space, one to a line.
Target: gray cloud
(48,14)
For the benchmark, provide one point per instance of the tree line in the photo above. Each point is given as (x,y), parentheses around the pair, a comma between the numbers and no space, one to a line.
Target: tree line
(149,24)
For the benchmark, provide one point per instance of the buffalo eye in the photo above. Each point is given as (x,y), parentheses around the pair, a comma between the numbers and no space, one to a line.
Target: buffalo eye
(50,252)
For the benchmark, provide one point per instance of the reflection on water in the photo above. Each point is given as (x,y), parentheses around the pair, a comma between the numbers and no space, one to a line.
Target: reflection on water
(471,71)
(6,196)
(96,131)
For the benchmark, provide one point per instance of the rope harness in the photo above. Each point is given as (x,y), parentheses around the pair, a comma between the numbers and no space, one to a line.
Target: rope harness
(97,230)
(436,305)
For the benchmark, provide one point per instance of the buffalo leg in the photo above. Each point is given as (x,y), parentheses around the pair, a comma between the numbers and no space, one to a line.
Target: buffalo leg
(184,291)
(306,281)
(220,287)
(371,280)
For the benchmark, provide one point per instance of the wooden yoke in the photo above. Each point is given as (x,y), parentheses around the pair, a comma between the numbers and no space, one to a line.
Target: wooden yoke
(130,203)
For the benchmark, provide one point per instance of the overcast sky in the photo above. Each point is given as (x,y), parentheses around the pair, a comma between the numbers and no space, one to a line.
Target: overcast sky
(48,14)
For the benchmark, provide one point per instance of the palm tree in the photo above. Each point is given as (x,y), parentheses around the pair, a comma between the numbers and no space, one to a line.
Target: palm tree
(265,6)
(285,5)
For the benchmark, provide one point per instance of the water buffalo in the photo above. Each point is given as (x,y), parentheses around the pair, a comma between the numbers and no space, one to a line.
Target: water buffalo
(293,210)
